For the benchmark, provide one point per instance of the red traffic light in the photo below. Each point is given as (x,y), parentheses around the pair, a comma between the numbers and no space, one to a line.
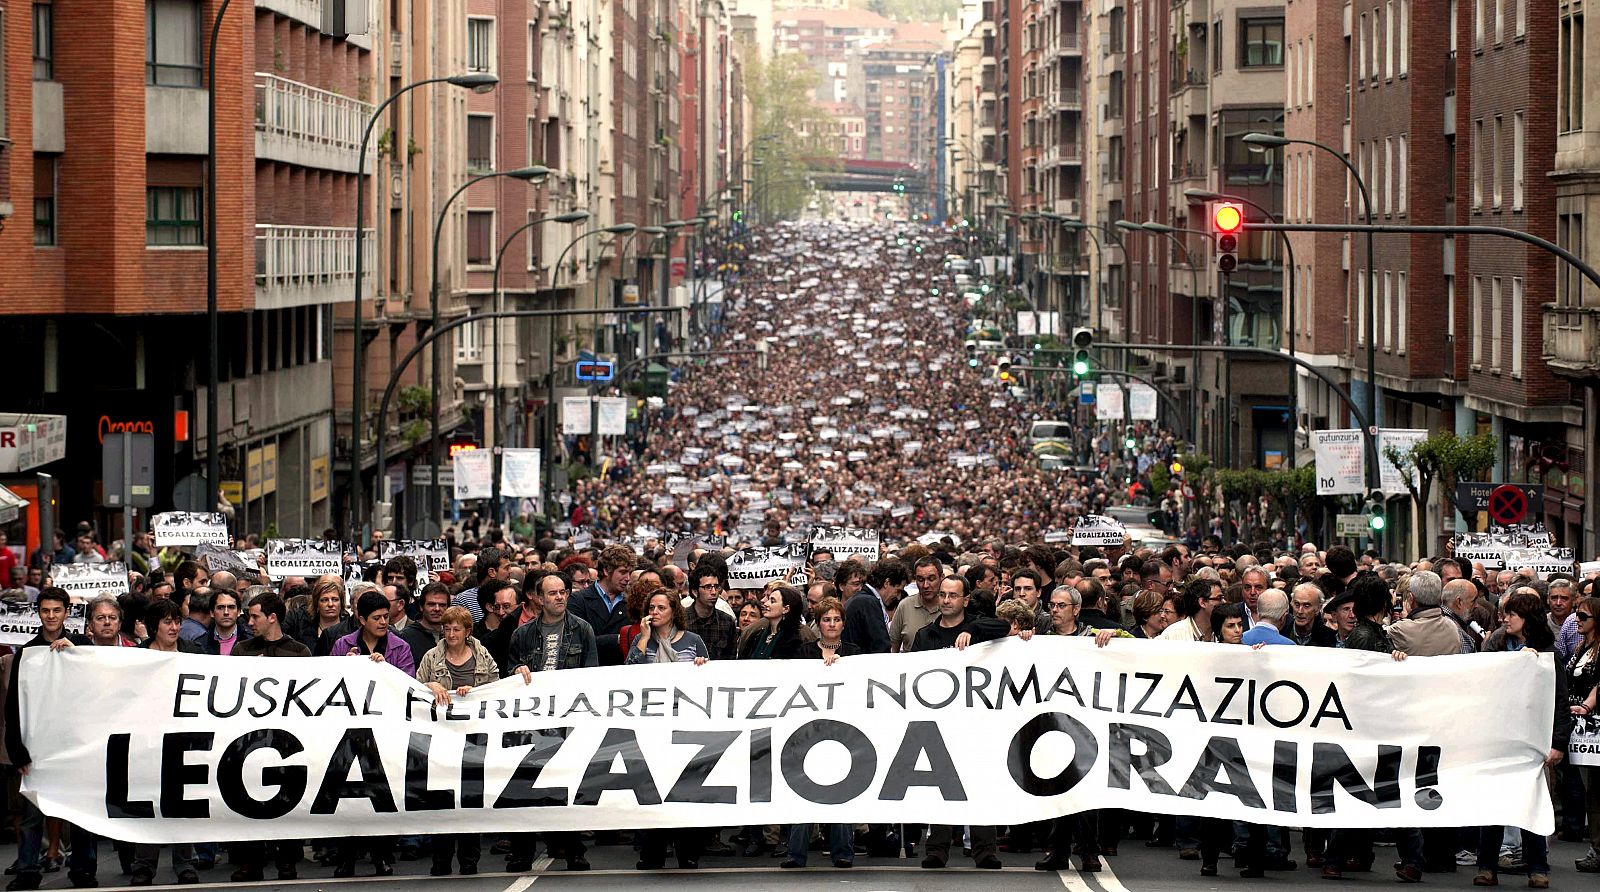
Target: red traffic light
(1227,217)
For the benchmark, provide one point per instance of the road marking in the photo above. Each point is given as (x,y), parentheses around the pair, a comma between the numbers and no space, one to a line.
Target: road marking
(1073,880)
(521,883)
(1108,878)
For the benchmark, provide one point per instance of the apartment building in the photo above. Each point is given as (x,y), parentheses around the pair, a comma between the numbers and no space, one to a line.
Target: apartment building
(1571,323)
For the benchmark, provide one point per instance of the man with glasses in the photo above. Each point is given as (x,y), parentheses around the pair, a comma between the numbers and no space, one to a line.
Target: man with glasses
(708,617)
(497,598)
(1254,581)
(1155,576)
(911,614)
(555,640)
(1200,597)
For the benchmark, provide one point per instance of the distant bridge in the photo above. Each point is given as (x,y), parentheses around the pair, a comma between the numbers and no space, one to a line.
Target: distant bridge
(864,175)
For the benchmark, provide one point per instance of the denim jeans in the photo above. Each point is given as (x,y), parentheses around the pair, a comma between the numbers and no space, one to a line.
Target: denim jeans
(30,848)
(1356,845)
(841,839)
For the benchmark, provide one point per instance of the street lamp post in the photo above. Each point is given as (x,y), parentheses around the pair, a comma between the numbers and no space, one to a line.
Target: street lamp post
(213,426)
(497,403)
(1269,140)
(526,174)
(480,82)
(550,355)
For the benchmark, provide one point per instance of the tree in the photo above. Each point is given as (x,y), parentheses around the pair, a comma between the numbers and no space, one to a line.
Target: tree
(791,132)
(1445,459)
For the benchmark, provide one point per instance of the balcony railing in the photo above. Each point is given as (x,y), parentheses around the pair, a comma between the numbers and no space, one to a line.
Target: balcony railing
(307,125)
(1065,100)
(309,256)
(1572,339)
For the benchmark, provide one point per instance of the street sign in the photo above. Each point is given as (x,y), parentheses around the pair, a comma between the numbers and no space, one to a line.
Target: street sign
(1352,525)
(595,370)
(127,470)
(1508,504)
(1472,497)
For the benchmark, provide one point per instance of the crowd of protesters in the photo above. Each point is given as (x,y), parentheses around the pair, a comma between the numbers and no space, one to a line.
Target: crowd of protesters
(866,413)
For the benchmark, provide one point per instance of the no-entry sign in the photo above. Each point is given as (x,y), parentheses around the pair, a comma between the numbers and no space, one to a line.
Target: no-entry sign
(1508,504)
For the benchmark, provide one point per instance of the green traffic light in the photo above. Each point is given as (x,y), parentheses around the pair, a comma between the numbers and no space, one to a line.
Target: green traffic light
(935,291)
(1130,443)
(1376,522)
(973,362)
(1080,368)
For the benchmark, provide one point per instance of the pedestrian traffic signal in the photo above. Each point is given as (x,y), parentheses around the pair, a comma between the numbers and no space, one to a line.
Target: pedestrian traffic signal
(1131,443)
(1082,341)
(1375,518)
(1227,220)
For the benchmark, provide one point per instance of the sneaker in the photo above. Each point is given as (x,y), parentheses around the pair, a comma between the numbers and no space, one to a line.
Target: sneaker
(1485,878)
(1465,858)
(188,877)
(1589,864)
(139,878)
(1538,881)
(1512,863)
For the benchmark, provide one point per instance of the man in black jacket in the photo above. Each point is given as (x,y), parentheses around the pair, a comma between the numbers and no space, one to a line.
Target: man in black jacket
(52,606)
(603,605)
(866,614)
(955,628)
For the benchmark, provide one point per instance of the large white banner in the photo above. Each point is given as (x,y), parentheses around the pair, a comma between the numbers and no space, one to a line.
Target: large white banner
(161,748)
(1098,529)
(474,474)
(1340,462)
(519,473)
(190,528)
(755,567)
(611,416)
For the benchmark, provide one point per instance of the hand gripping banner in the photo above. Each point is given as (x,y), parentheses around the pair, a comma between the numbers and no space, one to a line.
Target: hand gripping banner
(161,748)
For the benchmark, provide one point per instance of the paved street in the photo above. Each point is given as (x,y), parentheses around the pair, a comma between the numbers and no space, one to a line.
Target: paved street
(1134,868)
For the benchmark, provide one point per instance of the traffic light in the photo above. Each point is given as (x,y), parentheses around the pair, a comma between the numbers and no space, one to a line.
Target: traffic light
(1375,517)
(738,216)
(1227,219)
(972,352)
(1131,443)
(1082,340)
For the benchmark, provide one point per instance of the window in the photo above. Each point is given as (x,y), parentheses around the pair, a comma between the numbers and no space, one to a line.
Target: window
(1569,284)
(1402,28)
(2,76)
(1400,312)
(480,238)
(1216,46)
(1494,160)
(1519,138)
(480,143)
(1496,327)
(1361,307)
(1452,14)
(1388,40)
(1516,327)
(480,44)
(1569,108)
(1388,175)
(173,215)
(44,200)
(1388,311)
(1260,42)
(1401,166)
(1475,321)
(1477,23)
(469,341)
(43,41)
(172,43)
(1499,20)
(1375,46)
(1522,17)
(1361,50)
(1311,71)
(1477,165)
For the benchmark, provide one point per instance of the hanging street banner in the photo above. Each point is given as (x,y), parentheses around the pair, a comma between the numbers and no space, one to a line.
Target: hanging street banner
(1339,462)
(91,580)
(162,748)
(844,542)
(575,415)
(1141,402)
(755,567)
(519,473)
(1401,440)
(1097,529)
(474,474)
(304,557)
(430,554)
(1108,402)
(190,528)
(611,416)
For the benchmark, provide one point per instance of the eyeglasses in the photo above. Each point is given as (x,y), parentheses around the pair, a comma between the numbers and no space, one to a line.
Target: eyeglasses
(711,587)
(1059,605)
(1584,617)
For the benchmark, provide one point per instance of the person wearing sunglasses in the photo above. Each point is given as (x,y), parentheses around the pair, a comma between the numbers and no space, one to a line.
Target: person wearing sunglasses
(1582,673)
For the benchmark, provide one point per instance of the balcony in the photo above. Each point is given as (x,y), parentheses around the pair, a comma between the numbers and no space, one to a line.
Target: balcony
(300,265)
(1057,154)
(1572,340)
(1067,207)
(300,124)
(1065,101)
(1069,45)
(310,13)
